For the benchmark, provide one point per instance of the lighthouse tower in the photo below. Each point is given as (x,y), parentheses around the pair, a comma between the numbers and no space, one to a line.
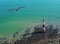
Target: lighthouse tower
(43,26)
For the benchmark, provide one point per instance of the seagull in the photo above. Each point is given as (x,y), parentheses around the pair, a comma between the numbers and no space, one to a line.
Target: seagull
(16,9)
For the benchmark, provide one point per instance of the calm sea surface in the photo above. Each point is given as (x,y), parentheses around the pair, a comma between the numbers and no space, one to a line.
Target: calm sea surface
(32,13)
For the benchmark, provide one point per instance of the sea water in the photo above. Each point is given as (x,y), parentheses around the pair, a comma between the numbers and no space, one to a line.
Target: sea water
(32,14)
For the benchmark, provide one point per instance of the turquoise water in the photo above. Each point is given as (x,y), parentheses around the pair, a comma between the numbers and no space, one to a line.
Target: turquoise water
(32,13)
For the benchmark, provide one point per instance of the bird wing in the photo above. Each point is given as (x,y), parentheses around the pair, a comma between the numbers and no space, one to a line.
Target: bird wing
(20,7)
(11,9)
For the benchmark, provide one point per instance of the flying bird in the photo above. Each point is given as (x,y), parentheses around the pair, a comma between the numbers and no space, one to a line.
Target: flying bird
(16,9)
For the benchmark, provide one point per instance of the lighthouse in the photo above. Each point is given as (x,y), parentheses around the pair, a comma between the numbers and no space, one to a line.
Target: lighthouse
(43,25)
